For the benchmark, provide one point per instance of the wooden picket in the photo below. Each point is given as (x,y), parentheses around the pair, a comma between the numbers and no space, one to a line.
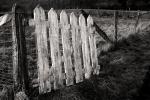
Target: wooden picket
(85,46)
(55,49)
(72,50)
(76,41)
(67,50)
(42,49)
(92,42)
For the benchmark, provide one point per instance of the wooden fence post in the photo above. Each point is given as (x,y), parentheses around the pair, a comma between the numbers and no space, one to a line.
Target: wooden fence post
(115,24)
(137,21)
(20,70)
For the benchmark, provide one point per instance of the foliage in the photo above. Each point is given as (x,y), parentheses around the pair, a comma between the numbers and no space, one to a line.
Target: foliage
(61,4)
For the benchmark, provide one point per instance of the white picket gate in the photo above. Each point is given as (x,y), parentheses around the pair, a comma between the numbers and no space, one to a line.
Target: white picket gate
(70,44)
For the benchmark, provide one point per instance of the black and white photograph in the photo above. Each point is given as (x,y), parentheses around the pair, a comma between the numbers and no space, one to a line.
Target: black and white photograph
(74,49)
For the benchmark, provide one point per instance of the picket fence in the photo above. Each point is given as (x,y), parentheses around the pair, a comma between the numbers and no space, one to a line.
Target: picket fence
(66,47)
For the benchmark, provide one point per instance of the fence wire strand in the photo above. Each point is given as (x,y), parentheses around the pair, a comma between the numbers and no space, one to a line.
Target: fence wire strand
(6,68)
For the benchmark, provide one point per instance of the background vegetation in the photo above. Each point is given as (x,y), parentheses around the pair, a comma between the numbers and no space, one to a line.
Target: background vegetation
(124,69)
(90,4)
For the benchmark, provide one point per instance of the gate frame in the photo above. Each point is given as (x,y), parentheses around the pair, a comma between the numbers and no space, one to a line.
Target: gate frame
(55,74)
(20,69)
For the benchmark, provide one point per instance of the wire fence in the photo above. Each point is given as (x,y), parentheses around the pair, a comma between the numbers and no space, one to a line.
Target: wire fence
(6,50)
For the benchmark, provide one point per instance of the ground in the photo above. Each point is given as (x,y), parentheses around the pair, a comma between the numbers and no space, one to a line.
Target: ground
(125,68)
(124,74)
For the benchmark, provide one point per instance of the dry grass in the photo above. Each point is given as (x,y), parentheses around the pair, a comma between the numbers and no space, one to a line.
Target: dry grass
(125,26)
(122,75)
(123,68)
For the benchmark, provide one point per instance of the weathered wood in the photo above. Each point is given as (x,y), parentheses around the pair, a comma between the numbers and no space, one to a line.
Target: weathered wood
(98,30)
(92,42)
(67,50)
(77,47)
(56,58)
(20,70)
(15,48)
(42,49)
(72,47)
(85,46)
(32,22)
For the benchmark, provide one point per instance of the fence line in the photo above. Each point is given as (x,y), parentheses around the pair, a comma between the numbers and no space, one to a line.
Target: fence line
(116,25)
(70,45)
(100,10)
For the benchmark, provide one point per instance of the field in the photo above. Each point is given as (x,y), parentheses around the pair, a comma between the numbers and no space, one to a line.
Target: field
(124,68)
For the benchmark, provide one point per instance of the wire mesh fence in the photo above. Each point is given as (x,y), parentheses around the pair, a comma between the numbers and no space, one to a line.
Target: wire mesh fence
(6,50)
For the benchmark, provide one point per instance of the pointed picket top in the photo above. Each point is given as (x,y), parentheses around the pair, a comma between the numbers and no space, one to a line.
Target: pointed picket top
(90,24)
(52,12)
(38,11)
(92,42)
(42,49)
(63,18)
(76,43)
(67,50)
(85,46)
(54,49)
(52,16)
(82,21)
(90,21)
(73,19)
(14,8)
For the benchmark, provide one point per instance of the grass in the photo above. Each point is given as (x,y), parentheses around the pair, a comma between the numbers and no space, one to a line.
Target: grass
(123,72)
(123,68)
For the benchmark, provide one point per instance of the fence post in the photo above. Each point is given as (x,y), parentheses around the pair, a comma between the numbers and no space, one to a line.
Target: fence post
(115,24)
(85,46)
(137,21)
(20,70)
